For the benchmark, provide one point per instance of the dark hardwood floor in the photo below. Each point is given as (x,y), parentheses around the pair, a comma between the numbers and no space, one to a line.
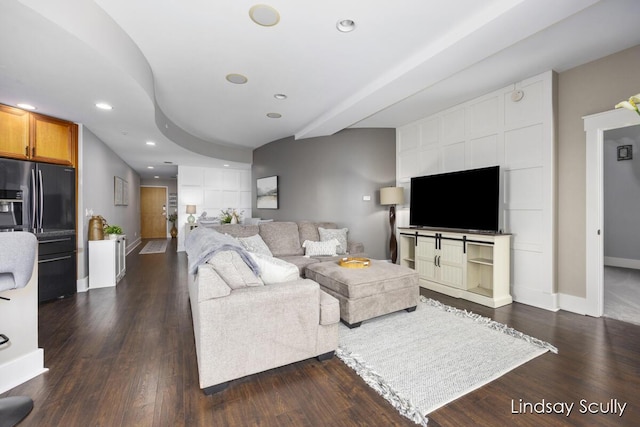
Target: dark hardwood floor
(125,356)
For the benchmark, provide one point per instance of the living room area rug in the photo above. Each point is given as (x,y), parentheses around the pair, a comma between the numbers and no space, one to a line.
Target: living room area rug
(154,247)
(423,360)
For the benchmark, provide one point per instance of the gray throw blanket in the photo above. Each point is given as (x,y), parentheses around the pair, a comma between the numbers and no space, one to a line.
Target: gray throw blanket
(203,243)
(17,254)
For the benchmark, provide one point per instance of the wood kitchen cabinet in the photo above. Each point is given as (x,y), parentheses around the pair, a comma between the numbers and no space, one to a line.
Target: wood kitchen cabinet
(14,132)
(53,140)
(31,136)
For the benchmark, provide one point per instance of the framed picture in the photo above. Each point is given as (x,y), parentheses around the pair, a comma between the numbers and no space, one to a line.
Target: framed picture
(625,152)
(173,200)
(120,192)
(267,192)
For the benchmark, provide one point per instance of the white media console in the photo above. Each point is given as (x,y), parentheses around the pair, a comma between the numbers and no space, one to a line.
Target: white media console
(459,264)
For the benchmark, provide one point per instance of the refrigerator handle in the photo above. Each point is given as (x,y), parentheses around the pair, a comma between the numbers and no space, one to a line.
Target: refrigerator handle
(33,198)
(41,191)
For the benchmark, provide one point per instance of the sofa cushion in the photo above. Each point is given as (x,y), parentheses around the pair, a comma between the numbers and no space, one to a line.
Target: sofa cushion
(210,284)
(309,230)
(326,248)
(281,238)
(255,244)
(233,270)
(275,270)
(340,234)
(300,261)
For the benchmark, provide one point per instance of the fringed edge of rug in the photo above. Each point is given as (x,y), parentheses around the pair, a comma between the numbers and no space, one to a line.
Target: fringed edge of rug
(490,323)
(376,382)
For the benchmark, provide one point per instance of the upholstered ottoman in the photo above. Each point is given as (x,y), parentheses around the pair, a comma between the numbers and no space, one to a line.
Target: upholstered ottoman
(369,292)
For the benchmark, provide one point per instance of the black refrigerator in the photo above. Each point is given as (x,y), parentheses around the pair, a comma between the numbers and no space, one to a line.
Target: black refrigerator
(40,198)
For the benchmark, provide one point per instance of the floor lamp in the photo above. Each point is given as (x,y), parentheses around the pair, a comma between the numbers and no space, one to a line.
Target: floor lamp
(392,196)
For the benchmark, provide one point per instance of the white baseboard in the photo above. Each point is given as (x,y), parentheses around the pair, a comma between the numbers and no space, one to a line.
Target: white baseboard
(133,245)
(572,303)
(82,285)
(21,370)
(535,298)
(622,262)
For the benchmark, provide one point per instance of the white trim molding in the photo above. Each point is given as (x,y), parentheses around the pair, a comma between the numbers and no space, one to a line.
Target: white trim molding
(595,125)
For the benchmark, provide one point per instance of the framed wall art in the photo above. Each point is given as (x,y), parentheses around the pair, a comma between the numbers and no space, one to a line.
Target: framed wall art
(120,192)
(267,192)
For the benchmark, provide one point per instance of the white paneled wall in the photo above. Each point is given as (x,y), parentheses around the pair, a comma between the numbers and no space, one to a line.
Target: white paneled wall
(211,190)
(518,136)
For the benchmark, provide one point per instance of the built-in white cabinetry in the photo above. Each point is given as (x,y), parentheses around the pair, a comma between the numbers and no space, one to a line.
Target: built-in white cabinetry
(107,261)
(463,265)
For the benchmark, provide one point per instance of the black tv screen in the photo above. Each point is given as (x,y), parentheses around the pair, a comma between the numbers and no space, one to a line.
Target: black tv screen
(467,200)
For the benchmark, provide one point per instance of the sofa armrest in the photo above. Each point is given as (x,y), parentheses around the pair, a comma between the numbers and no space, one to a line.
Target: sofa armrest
(256,328)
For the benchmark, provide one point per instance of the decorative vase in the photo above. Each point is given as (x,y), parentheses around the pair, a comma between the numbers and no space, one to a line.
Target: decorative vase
(174,231)
(234,219)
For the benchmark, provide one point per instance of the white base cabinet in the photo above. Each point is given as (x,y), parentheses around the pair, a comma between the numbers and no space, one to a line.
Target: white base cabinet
(107,262)
(471,266)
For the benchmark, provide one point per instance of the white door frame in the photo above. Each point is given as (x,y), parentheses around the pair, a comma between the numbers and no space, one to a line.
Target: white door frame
(595,125)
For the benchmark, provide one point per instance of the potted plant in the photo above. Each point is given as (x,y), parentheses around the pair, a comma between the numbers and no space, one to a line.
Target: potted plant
(230,216)
(112,231)
(172,218)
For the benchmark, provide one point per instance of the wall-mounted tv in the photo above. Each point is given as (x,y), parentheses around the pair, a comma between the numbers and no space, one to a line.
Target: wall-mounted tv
(467,200)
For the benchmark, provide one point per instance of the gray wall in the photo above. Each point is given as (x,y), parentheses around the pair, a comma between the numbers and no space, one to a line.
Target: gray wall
(98,168)
(622,195)
(325,179)
(588,89)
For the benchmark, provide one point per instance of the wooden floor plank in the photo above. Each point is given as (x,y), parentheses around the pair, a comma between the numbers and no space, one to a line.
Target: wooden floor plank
(125,356)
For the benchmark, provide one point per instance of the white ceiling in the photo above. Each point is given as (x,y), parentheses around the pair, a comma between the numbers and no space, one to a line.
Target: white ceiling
(162,65)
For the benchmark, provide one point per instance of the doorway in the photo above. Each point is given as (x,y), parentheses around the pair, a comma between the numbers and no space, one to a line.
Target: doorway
(595,127)
(153,212)
(621,197)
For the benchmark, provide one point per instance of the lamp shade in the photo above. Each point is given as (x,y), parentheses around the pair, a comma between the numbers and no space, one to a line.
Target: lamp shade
(391,196)
(191,209)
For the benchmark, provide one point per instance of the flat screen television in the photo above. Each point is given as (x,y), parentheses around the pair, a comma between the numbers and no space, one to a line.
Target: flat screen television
(467,200)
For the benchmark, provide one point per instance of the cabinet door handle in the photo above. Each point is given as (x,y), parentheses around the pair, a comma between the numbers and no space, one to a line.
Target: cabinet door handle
(26,150)
(54,259)
(33,151)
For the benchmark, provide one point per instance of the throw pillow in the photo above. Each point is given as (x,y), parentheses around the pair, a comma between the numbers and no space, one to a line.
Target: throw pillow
(255,244)
(210,284)
(340,234)
(233,270)
(326,248)
(275,270)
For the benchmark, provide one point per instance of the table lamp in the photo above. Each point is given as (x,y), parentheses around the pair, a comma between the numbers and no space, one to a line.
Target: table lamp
(392,196)
(191,209)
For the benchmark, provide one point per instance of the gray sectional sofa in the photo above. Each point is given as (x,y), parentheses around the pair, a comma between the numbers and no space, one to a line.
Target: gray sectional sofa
(243,326)
(285,239)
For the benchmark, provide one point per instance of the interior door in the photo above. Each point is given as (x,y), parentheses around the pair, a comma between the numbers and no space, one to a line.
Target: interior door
(153,212)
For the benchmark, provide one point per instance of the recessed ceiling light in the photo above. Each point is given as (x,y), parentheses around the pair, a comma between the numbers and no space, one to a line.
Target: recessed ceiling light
(104,106)
(238,79)
(26,106)
(225,165)
(151,143)
(274,115)
(280,96)
(156,177)
(346,25)
(264,15)
(149,167)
